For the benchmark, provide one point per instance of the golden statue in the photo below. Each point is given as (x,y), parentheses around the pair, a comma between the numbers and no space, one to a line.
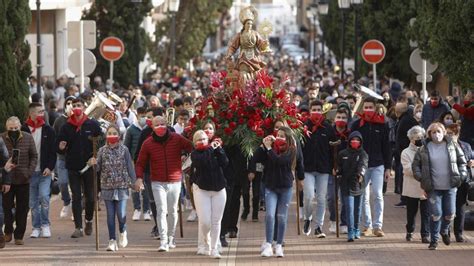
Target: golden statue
(251,44)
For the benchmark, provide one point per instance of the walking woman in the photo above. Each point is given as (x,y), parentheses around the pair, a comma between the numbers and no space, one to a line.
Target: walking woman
(461,195)
(278,155)
(209,182)
(440,166)
(115,166)
(415,196)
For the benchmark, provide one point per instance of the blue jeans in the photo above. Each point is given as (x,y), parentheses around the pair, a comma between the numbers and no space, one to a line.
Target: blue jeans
(136,201)
(332,202)
(314,181)
(353,206)
(276,200)
(40,188)
(373,180)
(63,181)
(116,208)
(2,216)
(442,204)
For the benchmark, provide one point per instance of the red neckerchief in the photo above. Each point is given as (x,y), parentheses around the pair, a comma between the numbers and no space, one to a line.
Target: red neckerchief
(317,123)
(34,125)
(72,120)
(344,134)
(376,118)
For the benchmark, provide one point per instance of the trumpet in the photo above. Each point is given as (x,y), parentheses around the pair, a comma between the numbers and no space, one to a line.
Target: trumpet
(170,113)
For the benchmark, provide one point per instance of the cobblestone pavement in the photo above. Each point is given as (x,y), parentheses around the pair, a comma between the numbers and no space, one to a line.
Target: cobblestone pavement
(392,249)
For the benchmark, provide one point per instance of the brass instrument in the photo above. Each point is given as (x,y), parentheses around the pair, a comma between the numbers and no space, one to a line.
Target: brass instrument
(170,113)
(102,109)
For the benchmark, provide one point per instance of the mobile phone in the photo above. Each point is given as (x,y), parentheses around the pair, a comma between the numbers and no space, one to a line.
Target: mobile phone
(214,145)
(15,156)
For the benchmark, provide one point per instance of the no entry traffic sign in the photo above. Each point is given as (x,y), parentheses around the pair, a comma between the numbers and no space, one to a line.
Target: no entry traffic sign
(112,48)
(373,51)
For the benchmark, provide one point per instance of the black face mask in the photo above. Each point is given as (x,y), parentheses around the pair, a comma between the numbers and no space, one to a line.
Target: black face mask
(418,143)
(14,134)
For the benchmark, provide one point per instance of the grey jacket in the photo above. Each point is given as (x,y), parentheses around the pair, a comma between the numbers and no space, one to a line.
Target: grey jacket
(422,168)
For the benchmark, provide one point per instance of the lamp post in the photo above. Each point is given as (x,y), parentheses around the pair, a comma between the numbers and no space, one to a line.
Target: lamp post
(323,9)
(344,5)
(355,4)
(137,41)
(173,8)
(38,46)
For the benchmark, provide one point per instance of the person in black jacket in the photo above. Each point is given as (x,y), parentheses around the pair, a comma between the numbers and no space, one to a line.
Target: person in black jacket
(5,181)
(75,141)
(352,164)
(318,165)
(375,131)
(279,157)
(209,182)
(40,182)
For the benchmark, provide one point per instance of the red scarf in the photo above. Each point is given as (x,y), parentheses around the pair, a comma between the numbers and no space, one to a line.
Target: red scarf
(32,124)
(317,123)
(77,123)
(343,135)
(375,118)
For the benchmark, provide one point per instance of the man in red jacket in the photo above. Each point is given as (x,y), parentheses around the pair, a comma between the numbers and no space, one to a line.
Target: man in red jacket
(163,149)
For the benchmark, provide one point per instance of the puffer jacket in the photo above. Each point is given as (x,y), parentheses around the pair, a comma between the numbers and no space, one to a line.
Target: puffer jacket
(422,167)
(352,164)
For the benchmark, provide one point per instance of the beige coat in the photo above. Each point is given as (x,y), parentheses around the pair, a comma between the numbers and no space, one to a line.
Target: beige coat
(411,187)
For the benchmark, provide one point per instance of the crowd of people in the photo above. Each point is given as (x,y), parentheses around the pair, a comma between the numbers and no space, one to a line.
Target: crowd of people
(355,143)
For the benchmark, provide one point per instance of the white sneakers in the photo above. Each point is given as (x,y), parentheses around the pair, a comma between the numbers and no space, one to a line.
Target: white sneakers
(203,251)
(65,211)
(136,215)
(215,254)
(164,247)
(332,227)
(267,250)
(192,216)
(112,245)
(301,213)
(45,231)
(147,216)
(35,233)
(123,240)
(171,242)
(279,251)
(343,229)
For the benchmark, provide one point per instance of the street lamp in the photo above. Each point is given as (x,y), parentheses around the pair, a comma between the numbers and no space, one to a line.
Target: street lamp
(173,7)
(137,42)
(344,5)
(323,9)
(355,4)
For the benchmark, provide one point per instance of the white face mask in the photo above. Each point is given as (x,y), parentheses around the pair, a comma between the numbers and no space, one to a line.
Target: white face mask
(437,137)
(142,121)
(68,110)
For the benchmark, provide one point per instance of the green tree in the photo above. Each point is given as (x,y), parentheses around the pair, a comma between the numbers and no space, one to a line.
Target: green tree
(195,21)
(444,30)
(121,19)
(15,67)
(385,20)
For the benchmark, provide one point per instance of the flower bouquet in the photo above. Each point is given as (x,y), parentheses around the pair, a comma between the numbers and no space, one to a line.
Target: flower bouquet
(244,115)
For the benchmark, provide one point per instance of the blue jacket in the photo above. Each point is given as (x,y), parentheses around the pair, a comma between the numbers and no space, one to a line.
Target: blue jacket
(430,114)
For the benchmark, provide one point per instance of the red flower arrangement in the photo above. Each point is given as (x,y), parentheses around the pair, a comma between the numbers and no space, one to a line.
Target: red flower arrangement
(243,116)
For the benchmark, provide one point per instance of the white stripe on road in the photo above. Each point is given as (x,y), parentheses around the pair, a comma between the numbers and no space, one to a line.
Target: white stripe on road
(373,52)
(112,49)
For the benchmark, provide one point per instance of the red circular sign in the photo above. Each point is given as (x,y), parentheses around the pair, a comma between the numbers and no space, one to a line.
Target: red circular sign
(112,48)
(373,51)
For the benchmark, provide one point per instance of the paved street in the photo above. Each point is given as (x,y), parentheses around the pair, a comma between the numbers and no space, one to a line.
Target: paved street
(299,250)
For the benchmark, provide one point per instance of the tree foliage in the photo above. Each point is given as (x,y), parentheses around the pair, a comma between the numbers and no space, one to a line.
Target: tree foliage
(15,66)
(121,19)
(384,20)
(195,21)
(444,31)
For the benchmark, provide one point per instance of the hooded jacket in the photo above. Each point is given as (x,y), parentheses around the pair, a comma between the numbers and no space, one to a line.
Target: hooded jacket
(422,167)
(352,163)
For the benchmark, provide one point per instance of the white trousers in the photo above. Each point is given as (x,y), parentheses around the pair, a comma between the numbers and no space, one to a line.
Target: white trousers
(166,198)
(210,208)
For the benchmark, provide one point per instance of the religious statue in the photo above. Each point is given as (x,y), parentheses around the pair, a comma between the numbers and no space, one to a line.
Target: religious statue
(251,44)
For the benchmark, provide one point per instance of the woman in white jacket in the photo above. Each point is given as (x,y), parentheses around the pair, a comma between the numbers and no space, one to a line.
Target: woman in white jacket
(416,196)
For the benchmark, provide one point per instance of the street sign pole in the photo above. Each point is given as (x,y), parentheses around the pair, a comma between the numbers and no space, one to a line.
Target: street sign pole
(81,49)
(112,70)
(423,84)
(374,68)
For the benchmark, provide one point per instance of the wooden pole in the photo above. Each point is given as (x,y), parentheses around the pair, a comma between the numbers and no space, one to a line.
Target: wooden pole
(298,228)
(96,201)
(180,214)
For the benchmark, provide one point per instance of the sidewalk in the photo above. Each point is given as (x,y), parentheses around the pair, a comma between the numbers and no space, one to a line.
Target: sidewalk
(299,250)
